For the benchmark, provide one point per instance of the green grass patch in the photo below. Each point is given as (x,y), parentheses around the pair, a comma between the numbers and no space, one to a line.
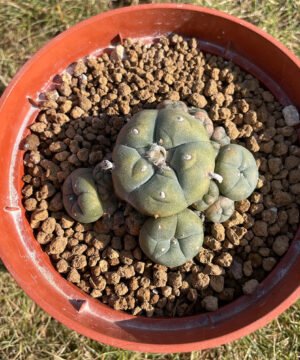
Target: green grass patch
(27,332)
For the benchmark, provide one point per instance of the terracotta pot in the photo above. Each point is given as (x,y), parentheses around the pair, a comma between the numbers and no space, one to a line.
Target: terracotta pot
(247,46)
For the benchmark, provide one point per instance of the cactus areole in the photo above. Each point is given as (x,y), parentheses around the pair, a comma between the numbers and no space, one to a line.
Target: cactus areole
(162,161)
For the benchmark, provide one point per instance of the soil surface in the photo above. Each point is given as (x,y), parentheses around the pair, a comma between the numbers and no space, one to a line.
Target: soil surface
(77,127)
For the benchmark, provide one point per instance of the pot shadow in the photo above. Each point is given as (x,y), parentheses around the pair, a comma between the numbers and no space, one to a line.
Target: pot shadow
(162,331)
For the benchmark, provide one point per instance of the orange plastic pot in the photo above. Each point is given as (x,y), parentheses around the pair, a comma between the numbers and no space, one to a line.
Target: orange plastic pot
(244,44)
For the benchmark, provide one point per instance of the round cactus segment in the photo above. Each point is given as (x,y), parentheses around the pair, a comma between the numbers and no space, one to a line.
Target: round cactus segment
(131,170)
(80,196)
(209,198)
(175,127)
(219,136)
(192,163)
(161,195)
(162,160)
(139,131)
(172,240)
(238,168)
(220,211)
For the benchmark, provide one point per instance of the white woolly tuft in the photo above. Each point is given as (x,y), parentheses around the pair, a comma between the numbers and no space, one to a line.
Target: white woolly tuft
(216,177)
(106,165)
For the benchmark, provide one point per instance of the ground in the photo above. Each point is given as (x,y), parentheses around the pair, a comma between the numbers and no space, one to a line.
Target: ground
(26,332)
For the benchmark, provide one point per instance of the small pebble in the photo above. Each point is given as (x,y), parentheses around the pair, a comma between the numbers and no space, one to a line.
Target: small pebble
(250,286)
(291,115)
(210,303)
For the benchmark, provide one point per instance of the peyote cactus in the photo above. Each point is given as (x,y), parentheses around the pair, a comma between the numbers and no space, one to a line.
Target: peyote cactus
(238,168)
(220,210)
(88,194)
(162,161)
(219,136)
(172,240)
(209,198)
(80,196)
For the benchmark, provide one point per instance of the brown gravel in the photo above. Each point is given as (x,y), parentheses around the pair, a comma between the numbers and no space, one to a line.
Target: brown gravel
(77,127)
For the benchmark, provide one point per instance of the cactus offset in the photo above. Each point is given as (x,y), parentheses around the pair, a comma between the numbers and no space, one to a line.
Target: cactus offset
(80,196)
(209,198)
(220,210)
(205,120)
(88,194)
(238,168)
(219,136)
(172,240)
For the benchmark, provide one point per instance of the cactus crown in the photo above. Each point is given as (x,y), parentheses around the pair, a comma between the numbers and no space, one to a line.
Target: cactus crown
(157,155)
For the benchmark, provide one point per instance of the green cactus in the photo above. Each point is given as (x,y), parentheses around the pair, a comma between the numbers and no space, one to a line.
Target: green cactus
(220,211)
(238,168)
(162,161)
(80,196)
(172,240)
(209,198)
(165,160)
(219,135)
(216,147)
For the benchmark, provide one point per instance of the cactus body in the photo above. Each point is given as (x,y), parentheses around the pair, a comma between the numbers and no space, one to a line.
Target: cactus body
(220,211)
(172,240)
(238,168)
(165,160)
(219,135)
(162,160)
(209,198)
(80,196)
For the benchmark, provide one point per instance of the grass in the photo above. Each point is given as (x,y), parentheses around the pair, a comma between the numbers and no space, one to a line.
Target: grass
(26,332)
